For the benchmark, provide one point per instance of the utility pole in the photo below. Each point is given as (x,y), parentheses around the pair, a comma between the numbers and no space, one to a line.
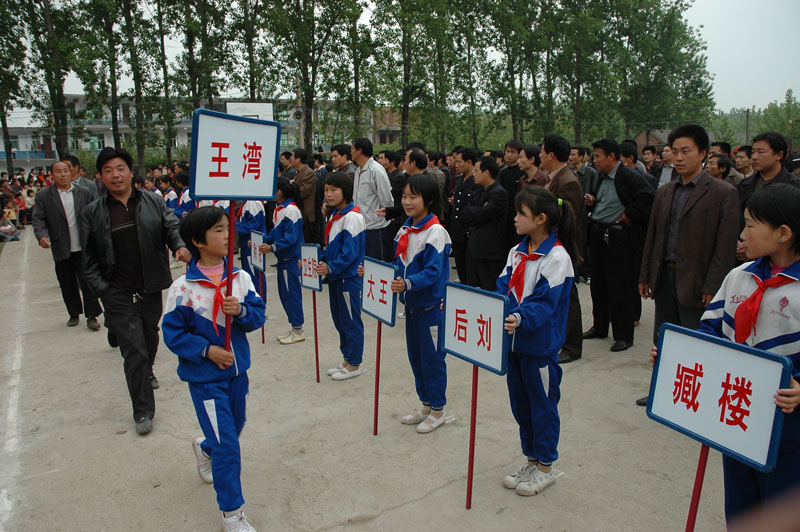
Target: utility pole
(747,127)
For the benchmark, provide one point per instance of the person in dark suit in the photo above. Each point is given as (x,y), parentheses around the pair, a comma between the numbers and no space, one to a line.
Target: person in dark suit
(485,222)
(691,239)
(56,216)
(620,212)
(74,168)
(464,188)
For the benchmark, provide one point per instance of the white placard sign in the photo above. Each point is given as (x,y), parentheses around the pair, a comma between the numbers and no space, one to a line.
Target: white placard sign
(473,326)
(257,259)
(719,393)
(233,157)
(377,298)
(309,259)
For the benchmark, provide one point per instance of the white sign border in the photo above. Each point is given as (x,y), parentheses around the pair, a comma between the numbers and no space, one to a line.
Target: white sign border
(303,284)
(366,310)
(263,262)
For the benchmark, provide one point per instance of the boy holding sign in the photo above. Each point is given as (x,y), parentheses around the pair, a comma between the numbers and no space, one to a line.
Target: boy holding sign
(756,306)
(538,279)
(422,250)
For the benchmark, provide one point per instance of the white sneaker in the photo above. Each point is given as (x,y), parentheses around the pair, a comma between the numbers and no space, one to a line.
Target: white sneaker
(343,374)
(538,481)
(236,523)
(295,335)
(203,462)
(283,336)
(414,418)
(523,474)
(335,370)
(430,423)
(401,315)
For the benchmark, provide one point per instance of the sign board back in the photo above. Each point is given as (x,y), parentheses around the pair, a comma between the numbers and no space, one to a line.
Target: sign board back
(719,393)
(473,326)
(309,258)
(233,157)
(377,298)
(257,259)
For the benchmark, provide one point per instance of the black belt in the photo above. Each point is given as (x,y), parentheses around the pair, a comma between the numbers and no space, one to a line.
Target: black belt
(603,227)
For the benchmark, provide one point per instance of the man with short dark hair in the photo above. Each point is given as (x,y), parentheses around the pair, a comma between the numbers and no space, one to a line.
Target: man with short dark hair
(724,148)
(56,224)
(509,178)
(340,157)
(620,210)
(668,172)
(390,160)
(689,247)
(319,166)
(587,177)
(484,220)
(649,157)
(372,191)
(438,176)
(74,168)
(287,170)
(719,167)
(629,157)
(743,154)
(463,188)
(126,234)
(307,182)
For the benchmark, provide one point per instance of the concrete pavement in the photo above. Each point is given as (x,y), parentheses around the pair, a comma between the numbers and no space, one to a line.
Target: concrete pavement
(71,460)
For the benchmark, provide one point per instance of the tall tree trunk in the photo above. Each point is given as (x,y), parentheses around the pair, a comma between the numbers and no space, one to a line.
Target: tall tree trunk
(137,86)
(405,97)
(356,79)
(7,143)
(548,74)
(473,118)
(167,105)
(54,77)
(250,47)
(191,68)
(205,53)
(108,22)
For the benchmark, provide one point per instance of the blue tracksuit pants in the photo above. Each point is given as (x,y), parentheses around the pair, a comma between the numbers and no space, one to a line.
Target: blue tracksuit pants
(746,488)
(345,300)
(534,391)
(220,408)
(289,291)
(425,355)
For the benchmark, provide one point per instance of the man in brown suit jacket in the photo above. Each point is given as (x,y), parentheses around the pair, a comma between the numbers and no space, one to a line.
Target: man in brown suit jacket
(691,240)
(306,181)
(563,183)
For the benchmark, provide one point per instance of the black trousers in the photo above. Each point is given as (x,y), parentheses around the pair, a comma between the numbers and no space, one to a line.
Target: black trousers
(136,327)
(375,244)
(459,252)
(668,309)
(311,232)
(637,299)
(483,273)
(612,262)
(70,277)
(573,343)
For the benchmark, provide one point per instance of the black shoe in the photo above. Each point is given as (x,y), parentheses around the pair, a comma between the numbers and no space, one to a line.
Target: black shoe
(621,345)
(154,382)
(592,333)
(642,401)
(144,425)
(564,358)
(112,339)
(92,324)
(72,322)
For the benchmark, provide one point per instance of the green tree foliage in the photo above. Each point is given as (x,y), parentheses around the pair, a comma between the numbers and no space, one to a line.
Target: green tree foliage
(12,62)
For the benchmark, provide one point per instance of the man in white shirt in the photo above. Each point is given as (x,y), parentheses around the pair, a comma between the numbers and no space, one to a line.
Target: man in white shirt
(371,191)
(56,213)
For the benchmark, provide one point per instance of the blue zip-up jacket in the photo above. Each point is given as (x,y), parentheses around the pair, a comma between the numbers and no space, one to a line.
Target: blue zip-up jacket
(542,307)
(171,198)
(345,247)
(185,204)
(287,234)
(253,219)
(777,328)
(189,330)
(426,267)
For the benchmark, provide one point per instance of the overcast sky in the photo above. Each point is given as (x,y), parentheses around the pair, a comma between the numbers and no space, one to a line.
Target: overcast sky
(750,48)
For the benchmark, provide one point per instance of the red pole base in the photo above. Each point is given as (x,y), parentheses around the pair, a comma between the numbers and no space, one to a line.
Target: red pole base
(473,415)
(377,380)
(698,488)
(316,334)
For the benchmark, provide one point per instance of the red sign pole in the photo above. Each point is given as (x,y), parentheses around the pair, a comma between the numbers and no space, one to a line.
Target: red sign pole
(316,334)
(229,273)
(698,488)
(473,415)
(377,379)
(261,290)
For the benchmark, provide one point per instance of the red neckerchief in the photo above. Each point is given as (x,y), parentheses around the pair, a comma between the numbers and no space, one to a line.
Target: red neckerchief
(402,242)
(517,282)
(278,209)
(334,218)
(747,312)
(218,297)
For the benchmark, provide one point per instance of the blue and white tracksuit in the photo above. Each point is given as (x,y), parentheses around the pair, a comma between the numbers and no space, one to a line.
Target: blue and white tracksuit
(425,270)
(777,330)
(219,396)
(171,198)
(222,204)
(185,204)
(252,219)
(343,254)
(285,239)
(534,376)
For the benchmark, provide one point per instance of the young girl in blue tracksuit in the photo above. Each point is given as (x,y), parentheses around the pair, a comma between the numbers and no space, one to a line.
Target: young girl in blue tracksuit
(343,254)
(251,218)
(537,279)
(194,329)
(771,238)
(422,251)
(284,240)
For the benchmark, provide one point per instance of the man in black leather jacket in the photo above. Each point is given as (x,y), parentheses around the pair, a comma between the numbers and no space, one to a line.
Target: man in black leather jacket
(126,233)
